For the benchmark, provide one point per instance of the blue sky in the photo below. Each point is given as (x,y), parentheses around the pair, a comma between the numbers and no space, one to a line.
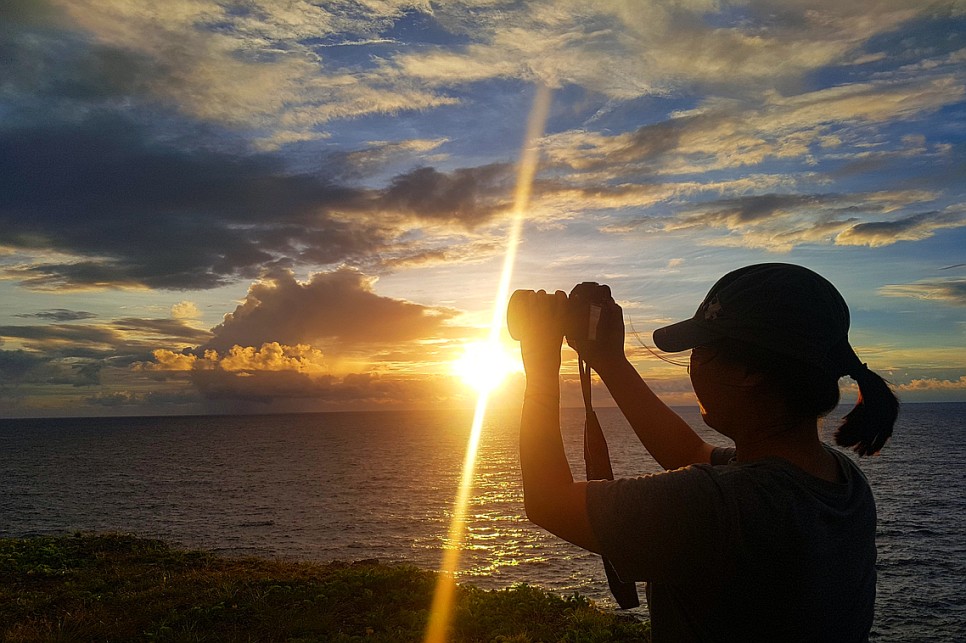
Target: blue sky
(283,206)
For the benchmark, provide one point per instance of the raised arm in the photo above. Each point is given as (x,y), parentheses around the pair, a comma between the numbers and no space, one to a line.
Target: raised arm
(551,497)
(666,436)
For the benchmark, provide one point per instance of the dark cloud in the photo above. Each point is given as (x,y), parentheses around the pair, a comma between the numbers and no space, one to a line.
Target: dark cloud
(15,365)
(136,211)
(22,367)
(141,400)
(122,341)
(157,215)
(60,315)
(96,166)
(60,334)
(176,330)
(334,310)
(467,196)
(909,228)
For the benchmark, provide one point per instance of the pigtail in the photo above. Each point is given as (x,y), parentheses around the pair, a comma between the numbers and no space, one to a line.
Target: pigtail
(869,425)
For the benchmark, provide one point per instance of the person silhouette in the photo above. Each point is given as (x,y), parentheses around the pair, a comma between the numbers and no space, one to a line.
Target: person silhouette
(772,539)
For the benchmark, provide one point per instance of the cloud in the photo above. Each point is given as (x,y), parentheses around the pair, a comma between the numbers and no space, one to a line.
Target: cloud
(335,311)
(352,390)
(125,336)
(124,210)
(20,367)
(948,291)
(63,336)
(933,384)
(914,227)
(255,67)
(185,310)
(271,357)
(731,133)
(270,68)
(467,196)
(15,365)
(243,360)
(141,399)
(779,222)
(624,52)
(60,315)
(381,154)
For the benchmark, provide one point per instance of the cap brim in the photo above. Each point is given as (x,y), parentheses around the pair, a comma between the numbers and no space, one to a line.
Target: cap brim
(682,336)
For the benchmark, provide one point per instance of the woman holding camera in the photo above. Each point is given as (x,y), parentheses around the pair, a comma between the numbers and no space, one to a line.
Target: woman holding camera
(770,540)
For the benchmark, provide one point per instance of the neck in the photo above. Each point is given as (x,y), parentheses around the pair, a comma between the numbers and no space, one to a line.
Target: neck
(777,438)
(793,440)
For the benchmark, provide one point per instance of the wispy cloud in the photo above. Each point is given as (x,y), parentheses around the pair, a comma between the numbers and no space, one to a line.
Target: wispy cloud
(60,315)
(948,291)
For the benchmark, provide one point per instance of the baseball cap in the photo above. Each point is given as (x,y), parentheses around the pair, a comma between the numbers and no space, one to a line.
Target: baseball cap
(781,307)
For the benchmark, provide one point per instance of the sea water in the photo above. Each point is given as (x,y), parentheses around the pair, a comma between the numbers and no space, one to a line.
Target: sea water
(381,485)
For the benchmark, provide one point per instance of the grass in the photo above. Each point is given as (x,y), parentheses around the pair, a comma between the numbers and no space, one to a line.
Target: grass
(116,587)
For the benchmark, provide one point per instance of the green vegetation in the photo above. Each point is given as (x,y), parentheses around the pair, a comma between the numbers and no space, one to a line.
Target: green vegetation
(112,587)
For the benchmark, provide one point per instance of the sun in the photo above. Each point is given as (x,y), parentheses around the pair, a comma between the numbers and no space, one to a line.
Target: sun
(484,365)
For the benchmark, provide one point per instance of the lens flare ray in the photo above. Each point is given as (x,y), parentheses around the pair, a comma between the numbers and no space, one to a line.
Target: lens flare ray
(441,609)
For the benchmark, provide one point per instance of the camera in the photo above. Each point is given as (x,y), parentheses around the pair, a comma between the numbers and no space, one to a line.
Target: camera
(581,319)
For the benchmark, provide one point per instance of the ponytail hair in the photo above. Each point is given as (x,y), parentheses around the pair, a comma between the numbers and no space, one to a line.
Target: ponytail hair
(868,426)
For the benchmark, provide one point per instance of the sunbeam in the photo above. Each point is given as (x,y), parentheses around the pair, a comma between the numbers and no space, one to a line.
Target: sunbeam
(441,610)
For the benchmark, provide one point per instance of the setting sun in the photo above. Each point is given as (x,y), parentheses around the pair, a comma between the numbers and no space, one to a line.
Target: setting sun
(484,365)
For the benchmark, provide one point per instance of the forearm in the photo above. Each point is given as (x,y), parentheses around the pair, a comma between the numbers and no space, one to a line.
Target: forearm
(666,436)
(542,457)
(551,497)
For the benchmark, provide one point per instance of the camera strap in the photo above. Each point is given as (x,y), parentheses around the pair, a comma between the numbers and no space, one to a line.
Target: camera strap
(597,463)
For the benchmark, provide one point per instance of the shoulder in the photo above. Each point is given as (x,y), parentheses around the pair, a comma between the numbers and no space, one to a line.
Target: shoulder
(663,526)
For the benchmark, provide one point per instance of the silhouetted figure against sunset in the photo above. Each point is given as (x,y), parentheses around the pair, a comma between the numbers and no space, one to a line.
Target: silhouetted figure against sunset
(770,540)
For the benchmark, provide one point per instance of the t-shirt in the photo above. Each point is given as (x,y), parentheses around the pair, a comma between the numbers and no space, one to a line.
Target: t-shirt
(758,551)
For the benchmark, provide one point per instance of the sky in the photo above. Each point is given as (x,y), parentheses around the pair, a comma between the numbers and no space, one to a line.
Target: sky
(283,206)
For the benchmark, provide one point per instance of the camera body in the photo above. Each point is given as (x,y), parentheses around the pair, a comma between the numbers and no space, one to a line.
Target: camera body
(581,319)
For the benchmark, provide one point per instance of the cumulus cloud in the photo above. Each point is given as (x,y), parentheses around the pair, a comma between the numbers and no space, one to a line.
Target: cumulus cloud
(934,384)
(274,373)
(185,310)
(336,311)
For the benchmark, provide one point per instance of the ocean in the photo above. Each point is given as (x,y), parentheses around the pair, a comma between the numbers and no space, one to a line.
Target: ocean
(354,486)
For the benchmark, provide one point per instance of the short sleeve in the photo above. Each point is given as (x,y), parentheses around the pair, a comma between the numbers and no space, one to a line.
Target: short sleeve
(671,526)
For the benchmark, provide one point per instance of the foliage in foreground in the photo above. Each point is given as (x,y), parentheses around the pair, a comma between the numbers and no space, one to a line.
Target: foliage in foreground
(112,587)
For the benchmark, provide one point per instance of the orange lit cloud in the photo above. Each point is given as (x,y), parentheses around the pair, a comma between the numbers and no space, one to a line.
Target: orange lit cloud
(933,384)
(336,312)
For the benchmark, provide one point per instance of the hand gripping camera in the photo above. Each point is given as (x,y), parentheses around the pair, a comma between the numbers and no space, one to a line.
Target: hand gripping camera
(582,317)
(580,325)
